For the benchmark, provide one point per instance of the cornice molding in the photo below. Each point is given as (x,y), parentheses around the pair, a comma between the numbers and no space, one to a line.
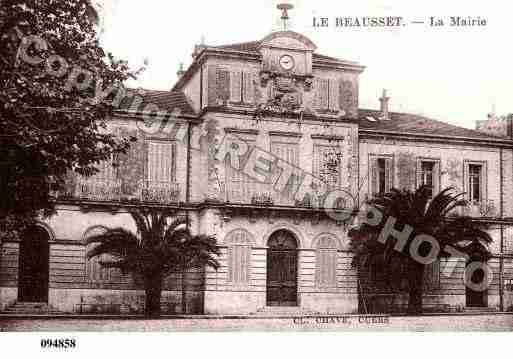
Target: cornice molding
(498,143)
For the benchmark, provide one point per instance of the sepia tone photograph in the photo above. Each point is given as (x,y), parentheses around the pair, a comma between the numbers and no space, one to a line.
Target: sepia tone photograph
(254,166)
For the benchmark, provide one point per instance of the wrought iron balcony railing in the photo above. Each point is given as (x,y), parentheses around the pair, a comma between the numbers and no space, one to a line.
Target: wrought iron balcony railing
(264,194)
(116,190)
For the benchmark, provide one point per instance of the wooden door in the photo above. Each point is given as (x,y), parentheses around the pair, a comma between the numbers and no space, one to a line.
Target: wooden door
(282,270)
(476,298)
(33,266)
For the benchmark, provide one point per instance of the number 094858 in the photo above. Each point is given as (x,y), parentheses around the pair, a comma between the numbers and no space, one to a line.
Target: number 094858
(58,343)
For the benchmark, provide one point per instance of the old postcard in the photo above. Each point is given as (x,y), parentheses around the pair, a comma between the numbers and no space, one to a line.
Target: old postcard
(255,166)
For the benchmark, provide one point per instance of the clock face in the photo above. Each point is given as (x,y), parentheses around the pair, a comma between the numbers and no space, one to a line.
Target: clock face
(287,62)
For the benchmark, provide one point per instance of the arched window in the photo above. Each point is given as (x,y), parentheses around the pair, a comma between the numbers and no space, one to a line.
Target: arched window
(95,272)
(326,261)
(239,244)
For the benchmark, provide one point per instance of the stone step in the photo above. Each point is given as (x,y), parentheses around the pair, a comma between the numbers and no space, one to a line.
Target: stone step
(30,308)
(277,310)
(480,309)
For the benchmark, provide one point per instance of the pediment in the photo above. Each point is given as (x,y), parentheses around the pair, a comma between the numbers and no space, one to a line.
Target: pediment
(288,40)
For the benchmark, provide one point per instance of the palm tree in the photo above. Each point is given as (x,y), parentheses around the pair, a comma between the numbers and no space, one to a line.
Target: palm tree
(163,245)
(425,215)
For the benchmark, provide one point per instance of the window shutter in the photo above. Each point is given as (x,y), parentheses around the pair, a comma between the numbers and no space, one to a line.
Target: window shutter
(229,262)
(222,85)
(333,266)
(317,93)
(212,92)
(218,86)
(248,88)
(238,257)
(288,152)
(346,95)
(321,94)
(131,165)
(432,275)
(419,178)
(388,174)
(373,176)
(235,86)
(436,178)
(161,161)
(326,263)
(333,95)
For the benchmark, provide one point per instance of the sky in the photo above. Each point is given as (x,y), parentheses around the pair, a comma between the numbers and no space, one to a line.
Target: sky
(454,74)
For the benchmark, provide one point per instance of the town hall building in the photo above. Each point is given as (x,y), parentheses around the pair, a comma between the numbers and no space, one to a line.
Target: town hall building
(279,252)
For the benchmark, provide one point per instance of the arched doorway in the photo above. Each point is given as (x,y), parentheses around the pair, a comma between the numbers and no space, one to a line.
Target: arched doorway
(476,274)
(282,269)
(34,266)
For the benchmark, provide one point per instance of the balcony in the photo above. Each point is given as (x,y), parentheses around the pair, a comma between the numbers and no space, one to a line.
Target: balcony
(263,194)
(118,191)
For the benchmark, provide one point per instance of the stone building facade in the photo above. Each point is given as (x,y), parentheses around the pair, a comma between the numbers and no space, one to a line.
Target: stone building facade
(297,111)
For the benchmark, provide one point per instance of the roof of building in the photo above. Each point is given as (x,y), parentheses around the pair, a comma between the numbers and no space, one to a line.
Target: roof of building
(168,101)
(415,124)
(252,47)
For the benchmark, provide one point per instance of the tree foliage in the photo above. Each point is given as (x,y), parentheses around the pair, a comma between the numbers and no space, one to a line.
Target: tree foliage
(435,217)
(51,119)
(163,245)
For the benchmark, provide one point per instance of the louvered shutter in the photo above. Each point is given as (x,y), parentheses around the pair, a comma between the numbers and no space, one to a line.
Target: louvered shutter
(223,85)
(420,179)
(320,267)
(235,86)
(333,95)
(248,88)
(131,165)
(229,262)
(161,158)
(326,263)
(346,95)
(238,258)
(388,174)
(212,86)
(321,94)
(436,178)
(324,88)
(432,276)
(333,267)
(288,152)
(218,86)
(373,176)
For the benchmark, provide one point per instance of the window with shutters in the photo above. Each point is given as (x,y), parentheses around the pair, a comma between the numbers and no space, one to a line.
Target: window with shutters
(239,243)
(107,171)
(326,94)
(347,96)
(327,162)
(239,186)
(218,86)
(326,262)
(241,87)
(380,174)
(161,162)
(475,183)
(432,275)
(288,151)
(428,174)
(94,271)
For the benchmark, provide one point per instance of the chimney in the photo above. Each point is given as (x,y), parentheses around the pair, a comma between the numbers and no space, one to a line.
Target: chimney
(180,71)
(199,48)
(384,104)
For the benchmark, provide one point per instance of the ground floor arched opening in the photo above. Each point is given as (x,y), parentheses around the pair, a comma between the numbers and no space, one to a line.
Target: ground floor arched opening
(33,272)
(282,271)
